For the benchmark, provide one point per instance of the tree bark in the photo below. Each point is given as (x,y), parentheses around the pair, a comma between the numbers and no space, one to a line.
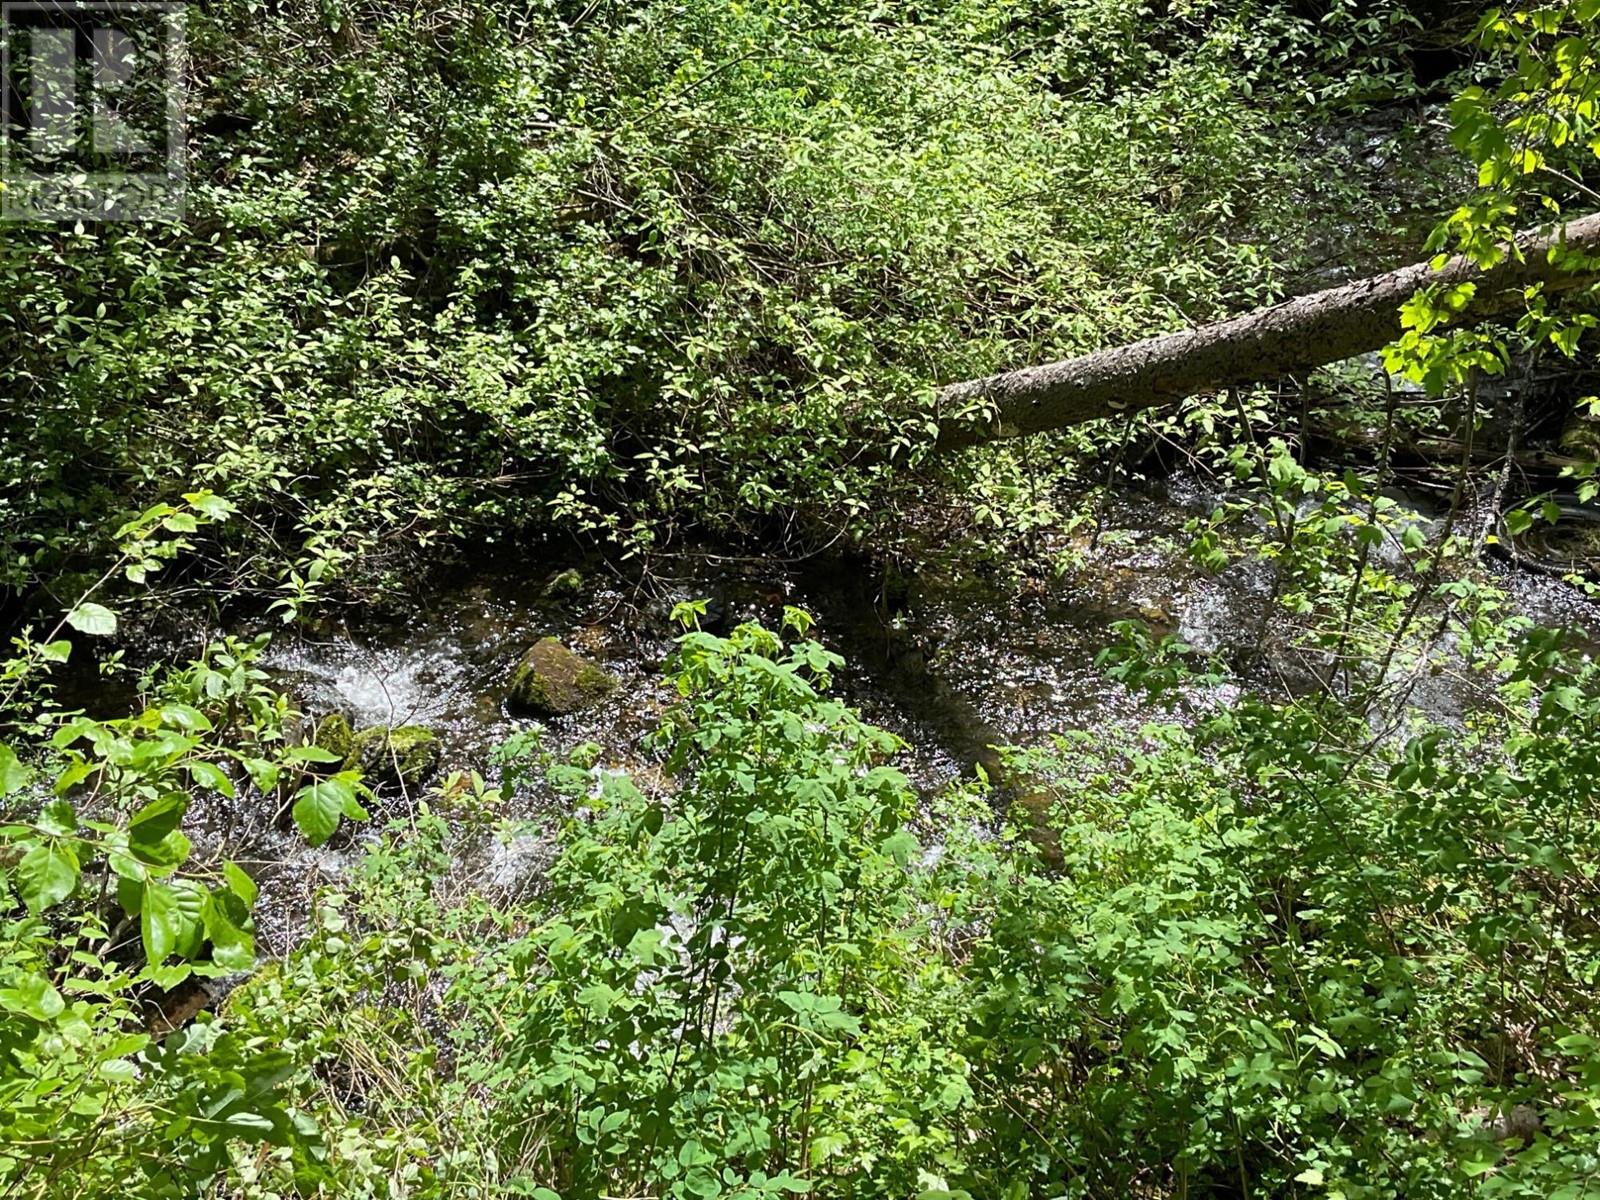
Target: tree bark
(1297,335)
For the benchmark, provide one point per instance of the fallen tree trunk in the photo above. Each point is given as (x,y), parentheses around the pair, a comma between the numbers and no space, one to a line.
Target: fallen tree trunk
(1297,335)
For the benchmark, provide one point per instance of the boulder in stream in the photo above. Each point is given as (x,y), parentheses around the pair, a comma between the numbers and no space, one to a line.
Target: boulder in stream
(552,681)
(334,734)
(565,585)
(1580,435)
(405,755)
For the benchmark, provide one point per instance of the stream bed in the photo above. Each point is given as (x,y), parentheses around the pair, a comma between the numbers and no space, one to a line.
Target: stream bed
(950,669)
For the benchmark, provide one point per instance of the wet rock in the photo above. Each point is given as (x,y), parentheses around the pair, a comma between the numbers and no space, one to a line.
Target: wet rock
(1569,544)
(552,681)
(1520,1121)
(592,641)
(334,734)
(1580,436)
(1153,611)
(170,1011)
(565,585)
(405,755)
(718,616)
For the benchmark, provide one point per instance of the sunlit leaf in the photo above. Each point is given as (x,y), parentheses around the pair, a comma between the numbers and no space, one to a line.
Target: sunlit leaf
(94,619)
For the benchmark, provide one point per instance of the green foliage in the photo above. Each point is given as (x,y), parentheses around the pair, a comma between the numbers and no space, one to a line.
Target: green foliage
(1533,138)
(632,270)
(1276,955)
(144,545)
(1147,662)
(750,935)
(1269,954)
(621,270)
(105,908)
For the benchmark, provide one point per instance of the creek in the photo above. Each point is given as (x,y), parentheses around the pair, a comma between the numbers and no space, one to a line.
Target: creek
(951,668)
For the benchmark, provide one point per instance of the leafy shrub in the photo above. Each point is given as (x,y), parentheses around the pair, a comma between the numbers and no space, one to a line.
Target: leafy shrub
(1281,957)
(1267,955)
(463,270)
(107,911)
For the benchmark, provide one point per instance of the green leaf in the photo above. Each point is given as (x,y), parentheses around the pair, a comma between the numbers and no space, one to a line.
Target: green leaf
(185,717)
(317,808)
(72,777)
(169,852)
(250,1125)
(57,818)
(211,776)
(47,875)
(33,996)
(94,619)
(169,917)
(156,820)
(240,884)
(130,894)
(13,775)
(310,754)
(900,846)
(118,1070)
(160,921)
(227,921)
(125,866)
(165,978)
(263,774)
(209,505)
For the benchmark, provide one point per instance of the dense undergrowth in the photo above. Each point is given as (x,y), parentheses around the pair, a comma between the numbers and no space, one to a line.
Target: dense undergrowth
(1262,953)
(458,272)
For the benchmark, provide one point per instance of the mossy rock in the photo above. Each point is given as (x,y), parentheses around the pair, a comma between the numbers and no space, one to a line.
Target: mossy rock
(1580,436)
(565,585)
(334,734)
(406,755)
(552,681)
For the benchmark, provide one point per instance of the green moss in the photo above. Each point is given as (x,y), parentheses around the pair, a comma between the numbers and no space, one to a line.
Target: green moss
(552,681)
(333,734)
(406,755)
(567,583)
(1581,435)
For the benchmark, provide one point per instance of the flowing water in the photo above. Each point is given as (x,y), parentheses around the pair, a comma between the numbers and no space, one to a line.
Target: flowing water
(951,669)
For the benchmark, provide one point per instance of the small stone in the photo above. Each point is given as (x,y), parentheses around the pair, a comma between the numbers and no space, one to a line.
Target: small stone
(552,681)
(406,755)
(1153,612)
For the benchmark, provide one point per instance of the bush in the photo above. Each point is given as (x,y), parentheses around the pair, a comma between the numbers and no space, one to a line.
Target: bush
(467,270)
(110,922)
(1268,955)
